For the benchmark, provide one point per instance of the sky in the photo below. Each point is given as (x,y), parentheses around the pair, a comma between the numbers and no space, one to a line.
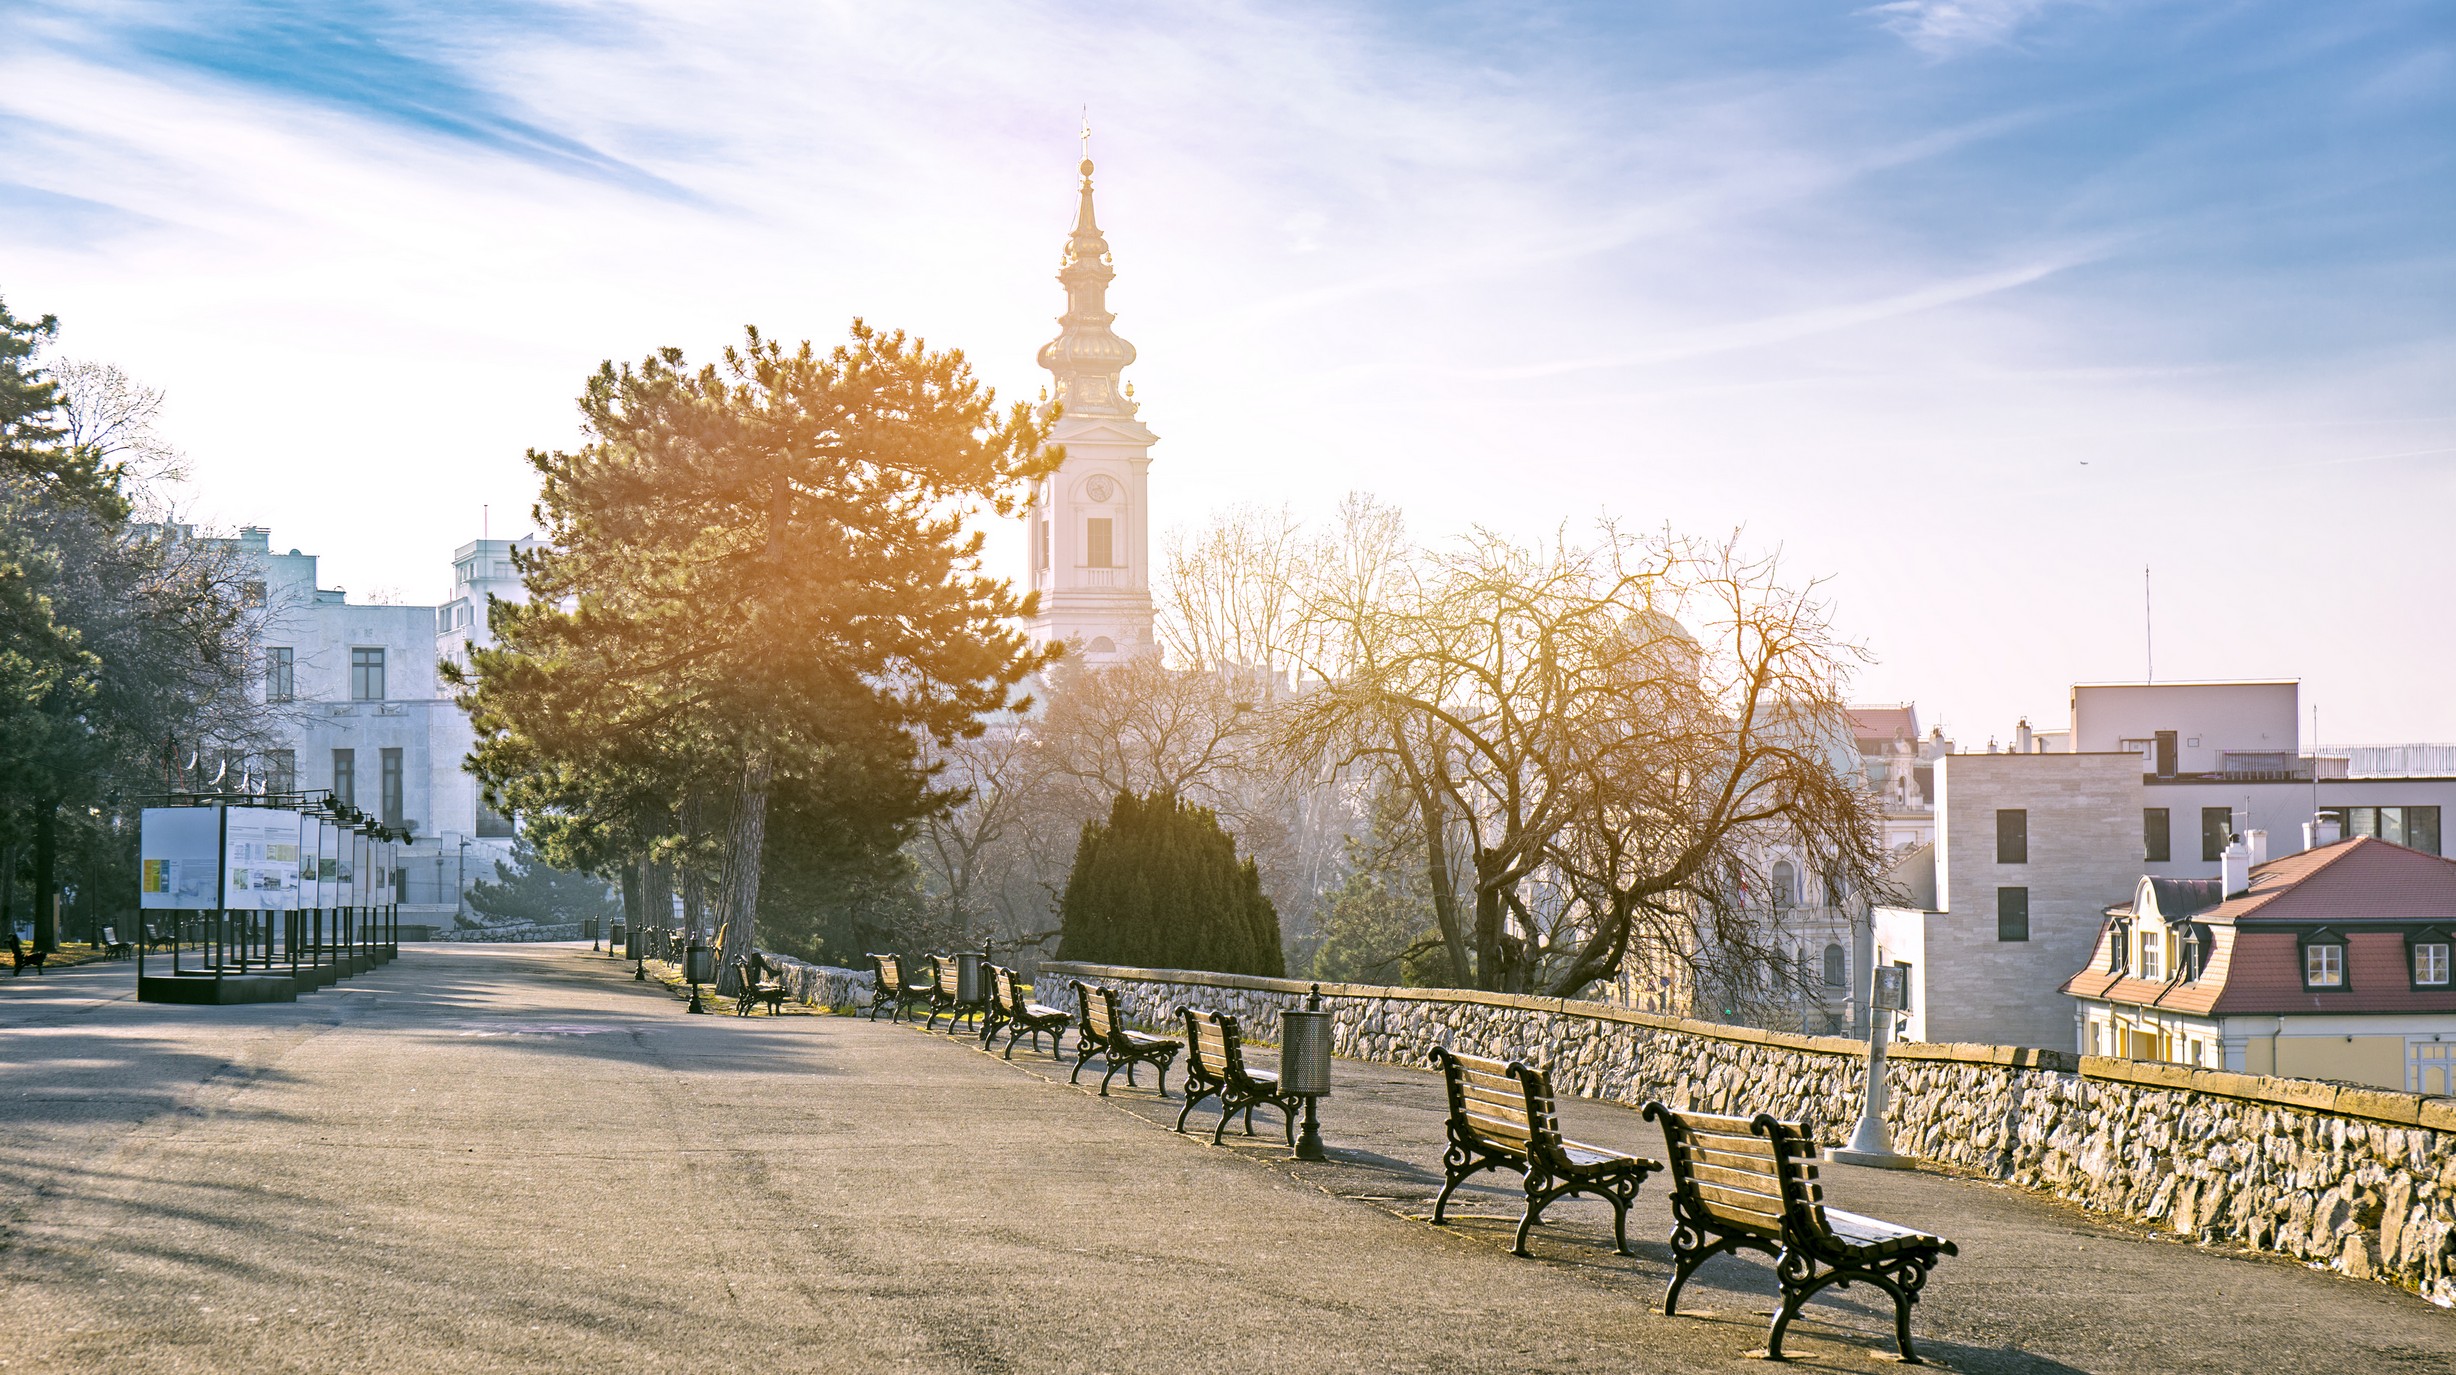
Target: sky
(2062,340)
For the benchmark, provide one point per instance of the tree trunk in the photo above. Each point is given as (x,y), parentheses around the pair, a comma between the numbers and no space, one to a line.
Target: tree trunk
(656,894)
(633,903)
(46,861)
(745,848)
(694,883)
(1437,867)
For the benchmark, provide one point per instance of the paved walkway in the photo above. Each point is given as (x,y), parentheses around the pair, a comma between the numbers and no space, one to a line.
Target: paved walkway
(513,1158)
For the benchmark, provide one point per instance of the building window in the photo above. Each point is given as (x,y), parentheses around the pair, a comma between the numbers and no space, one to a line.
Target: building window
(2216,831)
(251,593)
(2119,948)
(2163,752)
(2430,968)
(1040,535)
(2012,914)
(1837,965)
(1786,883)
(280,673)
(2323,961)
(492,825)
(281,771)
(2417,827)
(2152,955)
(392,787)
(366,675)
(2012,836)
(1099,544)
(345,777)
(2157,834)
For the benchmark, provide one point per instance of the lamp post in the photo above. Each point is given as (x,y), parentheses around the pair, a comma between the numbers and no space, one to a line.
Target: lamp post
(1870,1143)
(1304,1066)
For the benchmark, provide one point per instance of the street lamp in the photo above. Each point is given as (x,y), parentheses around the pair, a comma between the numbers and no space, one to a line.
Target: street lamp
(1304,1066)
(1870,1144)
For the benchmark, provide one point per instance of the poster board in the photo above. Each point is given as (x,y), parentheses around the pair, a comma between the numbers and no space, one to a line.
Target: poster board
(179,853)
(260,859)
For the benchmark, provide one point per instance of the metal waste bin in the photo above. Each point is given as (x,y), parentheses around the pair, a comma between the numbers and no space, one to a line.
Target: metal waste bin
(969,969)
(1304,1066)
(698,965)
(619,942)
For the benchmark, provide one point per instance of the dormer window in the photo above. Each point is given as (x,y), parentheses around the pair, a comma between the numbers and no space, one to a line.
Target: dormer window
(2323,954)
(2152,955)
(2119,947)
(2428,958)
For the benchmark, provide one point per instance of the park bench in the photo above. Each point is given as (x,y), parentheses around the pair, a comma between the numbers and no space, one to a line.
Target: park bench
(1215,1068)
(894,990)
(756,989)
(1104,1033)
(1012,1009)
(1502,1114)
(156,938)
(112,945)
(23,957)
(1751,1183)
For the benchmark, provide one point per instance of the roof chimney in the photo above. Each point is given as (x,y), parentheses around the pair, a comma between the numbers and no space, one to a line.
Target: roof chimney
(2234,867)
(2021,737)
(2324,829)
(2258,841)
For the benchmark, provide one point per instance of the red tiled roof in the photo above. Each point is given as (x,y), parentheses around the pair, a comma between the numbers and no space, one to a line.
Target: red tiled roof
(2363,879)
(1876,728)
(2254,967)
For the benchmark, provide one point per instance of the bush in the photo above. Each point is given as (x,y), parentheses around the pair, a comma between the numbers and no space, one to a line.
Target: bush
(526,888)
(1160,886)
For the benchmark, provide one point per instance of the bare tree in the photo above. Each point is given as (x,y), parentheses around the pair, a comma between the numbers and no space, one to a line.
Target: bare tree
(1584,771)
(116,418)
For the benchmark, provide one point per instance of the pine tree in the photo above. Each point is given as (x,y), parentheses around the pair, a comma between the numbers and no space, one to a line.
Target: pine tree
(1159,886)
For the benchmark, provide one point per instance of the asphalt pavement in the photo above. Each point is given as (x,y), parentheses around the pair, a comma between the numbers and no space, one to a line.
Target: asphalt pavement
(514,1158)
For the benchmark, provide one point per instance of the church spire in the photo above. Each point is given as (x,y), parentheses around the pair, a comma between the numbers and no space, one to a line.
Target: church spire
(1087,356)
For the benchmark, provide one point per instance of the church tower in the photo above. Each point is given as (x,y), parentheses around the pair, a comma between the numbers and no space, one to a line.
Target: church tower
(1088,528)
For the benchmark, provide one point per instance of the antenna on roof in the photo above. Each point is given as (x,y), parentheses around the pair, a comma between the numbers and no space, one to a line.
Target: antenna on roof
(2148,626)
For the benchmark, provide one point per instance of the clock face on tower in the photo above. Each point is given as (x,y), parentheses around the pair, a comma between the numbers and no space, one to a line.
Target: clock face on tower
(1099,489)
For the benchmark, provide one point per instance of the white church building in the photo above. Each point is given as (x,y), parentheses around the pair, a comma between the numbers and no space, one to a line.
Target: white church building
(1088,524)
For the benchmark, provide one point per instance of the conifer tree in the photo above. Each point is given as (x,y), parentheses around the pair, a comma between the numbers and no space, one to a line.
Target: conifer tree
(759,571)
(1159,885)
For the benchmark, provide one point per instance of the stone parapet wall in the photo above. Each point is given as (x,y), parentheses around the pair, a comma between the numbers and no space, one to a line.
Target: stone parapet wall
(823,985)
(2360,1180)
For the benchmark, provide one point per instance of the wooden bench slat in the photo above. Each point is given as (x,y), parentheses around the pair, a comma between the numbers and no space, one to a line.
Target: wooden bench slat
(1512,1102)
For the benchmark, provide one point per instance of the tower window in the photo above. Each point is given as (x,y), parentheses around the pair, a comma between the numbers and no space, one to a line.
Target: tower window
(1099,542)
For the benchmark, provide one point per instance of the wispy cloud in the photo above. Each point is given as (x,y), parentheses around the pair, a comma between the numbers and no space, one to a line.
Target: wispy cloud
(1941,28)
(1875,291)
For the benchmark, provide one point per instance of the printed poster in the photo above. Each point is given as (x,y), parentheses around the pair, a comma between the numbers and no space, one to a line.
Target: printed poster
(179,856)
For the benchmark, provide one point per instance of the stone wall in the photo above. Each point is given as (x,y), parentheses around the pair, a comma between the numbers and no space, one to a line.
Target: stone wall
(823,985)
(2360,1180)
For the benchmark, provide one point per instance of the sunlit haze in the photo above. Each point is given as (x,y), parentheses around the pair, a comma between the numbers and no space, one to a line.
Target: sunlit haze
(1974,309)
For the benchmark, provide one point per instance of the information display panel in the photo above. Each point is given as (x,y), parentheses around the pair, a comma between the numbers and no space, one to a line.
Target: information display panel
(260,864)
(179,852)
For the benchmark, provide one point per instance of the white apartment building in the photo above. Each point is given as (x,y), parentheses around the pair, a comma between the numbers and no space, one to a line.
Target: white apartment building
(356,695)
(2149,779)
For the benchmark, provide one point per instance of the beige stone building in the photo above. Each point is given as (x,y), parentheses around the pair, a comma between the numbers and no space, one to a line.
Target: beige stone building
(2030,850)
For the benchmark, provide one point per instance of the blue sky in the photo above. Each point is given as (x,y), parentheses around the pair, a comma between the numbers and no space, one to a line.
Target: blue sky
(1972,308)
